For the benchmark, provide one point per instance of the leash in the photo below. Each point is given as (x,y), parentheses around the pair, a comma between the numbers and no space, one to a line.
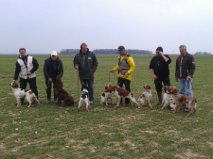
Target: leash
(78,83)
(109,77)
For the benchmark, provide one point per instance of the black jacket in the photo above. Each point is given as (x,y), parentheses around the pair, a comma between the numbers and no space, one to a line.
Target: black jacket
(18,67)
(160,67)
(185,66)
(53,69)
(87,64)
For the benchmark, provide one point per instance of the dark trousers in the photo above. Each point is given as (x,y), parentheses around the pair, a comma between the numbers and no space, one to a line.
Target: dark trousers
(32,83)
(126,83)
(49,88)
(89,85)
(159,82)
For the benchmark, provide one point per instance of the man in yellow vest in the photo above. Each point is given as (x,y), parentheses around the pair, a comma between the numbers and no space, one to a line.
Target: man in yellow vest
(125,68)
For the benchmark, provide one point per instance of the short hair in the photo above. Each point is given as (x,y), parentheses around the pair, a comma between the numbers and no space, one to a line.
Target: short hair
(182,47)
(83,44)
(22,49)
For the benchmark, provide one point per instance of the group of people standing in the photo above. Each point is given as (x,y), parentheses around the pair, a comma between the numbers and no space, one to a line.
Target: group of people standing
(85,63)
(184,70)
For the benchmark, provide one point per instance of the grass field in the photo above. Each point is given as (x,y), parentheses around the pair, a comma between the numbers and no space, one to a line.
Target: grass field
(48,131)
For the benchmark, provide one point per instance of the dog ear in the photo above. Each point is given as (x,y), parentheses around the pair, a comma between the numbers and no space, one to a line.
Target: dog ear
(195,100)
(15,85)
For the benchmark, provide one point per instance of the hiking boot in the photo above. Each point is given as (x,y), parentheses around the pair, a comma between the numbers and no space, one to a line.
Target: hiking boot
(159,94)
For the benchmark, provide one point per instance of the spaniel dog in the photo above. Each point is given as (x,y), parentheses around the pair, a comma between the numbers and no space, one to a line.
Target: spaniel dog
(178,102)
(146,97)
(169,98)
(121,93)
(30,97)
(21,94)
(63,97)
(187,103)
(105,97)
(84,98)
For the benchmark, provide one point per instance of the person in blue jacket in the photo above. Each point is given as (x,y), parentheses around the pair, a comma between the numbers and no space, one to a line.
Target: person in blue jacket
(53,69)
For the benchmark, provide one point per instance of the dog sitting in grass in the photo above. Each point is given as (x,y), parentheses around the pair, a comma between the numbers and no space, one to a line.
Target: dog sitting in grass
(146,97)
(63,97)
(186,103)
(179,102)
(84,98)
(169,98)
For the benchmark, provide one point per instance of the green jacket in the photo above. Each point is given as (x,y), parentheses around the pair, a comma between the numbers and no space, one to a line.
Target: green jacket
(87,64)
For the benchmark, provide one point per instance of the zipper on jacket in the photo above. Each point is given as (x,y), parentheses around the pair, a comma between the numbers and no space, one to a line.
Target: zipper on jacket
(181,61)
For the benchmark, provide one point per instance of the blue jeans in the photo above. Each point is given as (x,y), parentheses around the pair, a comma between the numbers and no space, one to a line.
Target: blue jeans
(185,87)
(89,85)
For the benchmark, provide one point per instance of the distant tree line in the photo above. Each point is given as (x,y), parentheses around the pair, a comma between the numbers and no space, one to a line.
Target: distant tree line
(106,51)
(203,53)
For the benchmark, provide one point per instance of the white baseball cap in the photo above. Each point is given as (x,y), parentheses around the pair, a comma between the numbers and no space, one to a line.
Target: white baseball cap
(54,53)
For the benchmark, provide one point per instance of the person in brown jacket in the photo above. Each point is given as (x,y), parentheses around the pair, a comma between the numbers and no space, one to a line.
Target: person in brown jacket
(184,71)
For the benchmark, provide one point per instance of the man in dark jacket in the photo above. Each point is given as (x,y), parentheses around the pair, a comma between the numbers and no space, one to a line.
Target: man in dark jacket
(53,69)
(26,66)
(159,67)
(85,62)
(185,68)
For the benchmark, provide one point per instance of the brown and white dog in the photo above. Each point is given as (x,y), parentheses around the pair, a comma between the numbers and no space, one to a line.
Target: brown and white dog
(169,98)
(105,97)
(30,97)
(21,94)
(192,107)
(146,97)
(177,101)
(63,96)
(120,93)
(187,102)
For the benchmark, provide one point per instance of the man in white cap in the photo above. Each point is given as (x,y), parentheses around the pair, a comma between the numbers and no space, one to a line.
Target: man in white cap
(53,69)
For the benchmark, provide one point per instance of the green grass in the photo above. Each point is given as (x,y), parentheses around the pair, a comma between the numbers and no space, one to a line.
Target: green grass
(48,131)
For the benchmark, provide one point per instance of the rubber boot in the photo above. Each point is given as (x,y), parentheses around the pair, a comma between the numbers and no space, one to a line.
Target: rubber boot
(48,92)
(159,94)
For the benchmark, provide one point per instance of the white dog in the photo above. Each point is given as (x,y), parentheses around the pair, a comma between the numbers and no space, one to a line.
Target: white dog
(84,99)
(168,100)
(30,97)
(105,97)
(20,94)
(146,97)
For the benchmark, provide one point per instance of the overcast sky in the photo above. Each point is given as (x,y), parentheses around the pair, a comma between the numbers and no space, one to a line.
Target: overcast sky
(45,25)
